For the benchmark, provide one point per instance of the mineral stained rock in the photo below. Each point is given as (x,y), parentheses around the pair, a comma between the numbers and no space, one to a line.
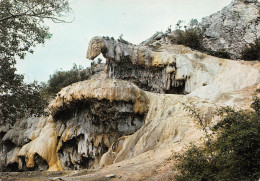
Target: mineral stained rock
(91,115)
(125,125)
(99,122)
(86,119)
(172,68)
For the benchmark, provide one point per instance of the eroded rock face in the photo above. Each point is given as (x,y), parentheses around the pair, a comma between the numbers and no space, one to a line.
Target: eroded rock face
(86,119)
(173,68)
(12,139)
(149,68)
(88,130)
(234,27)
(106,121)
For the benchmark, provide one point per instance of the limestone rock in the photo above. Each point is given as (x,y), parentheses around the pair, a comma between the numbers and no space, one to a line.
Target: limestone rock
(174,68)
(82,127)
(234,27)
(105,121)
(111,176)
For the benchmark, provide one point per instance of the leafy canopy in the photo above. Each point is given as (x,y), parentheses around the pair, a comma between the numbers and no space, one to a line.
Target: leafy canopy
(21,28)
(21,23)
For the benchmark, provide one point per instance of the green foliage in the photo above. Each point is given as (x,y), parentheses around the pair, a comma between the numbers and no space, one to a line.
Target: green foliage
(220,53)
(21,28)
(21,23)
(191,35)
(18,100)
(252,52)
(62,79)
(232,151)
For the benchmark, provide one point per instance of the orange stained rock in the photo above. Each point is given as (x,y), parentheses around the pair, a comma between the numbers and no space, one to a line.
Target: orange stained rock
(110,89)
(45,145)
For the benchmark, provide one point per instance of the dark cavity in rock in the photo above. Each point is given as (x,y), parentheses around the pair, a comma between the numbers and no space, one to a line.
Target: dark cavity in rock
(153,79)
(86,129)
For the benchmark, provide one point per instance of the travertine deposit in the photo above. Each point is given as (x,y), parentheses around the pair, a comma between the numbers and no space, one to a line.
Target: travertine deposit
(128,120)
(173,68)
(86,119)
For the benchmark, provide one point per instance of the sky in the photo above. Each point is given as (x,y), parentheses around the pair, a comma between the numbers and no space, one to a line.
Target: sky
(136,20)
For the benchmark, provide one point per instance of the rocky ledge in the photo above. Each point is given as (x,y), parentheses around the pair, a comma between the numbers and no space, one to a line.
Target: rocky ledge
(174,69)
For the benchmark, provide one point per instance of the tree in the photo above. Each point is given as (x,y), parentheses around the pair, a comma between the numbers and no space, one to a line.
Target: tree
(21,23)
(61,79)
(21,28)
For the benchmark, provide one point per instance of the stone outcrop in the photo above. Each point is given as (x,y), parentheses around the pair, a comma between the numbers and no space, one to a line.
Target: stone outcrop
(232,28)
(172,68)
(103,121)
(125,125)
(149,69)
(85,120)
(90,116)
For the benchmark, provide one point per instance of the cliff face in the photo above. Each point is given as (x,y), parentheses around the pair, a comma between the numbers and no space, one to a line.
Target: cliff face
(117,120)
(234,27)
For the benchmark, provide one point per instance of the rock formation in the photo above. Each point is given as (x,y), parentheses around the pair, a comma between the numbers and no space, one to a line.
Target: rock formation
(125,124)
(100,121)
(86,119)
(234,27)
(172,68)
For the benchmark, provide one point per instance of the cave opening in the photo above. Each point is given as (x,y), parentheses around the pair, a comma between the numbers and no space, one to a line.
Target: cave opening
(8,145)
(39,163)
(71,159)
(177,90)
(2,134)
(12,167)
(148,78)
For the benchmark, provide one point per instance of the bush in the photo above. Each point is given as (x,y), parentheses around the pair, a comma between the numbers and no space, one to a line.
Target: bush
(252,52)
(232,152)
(220,53)
(18,99)
(192,36)
(61,79)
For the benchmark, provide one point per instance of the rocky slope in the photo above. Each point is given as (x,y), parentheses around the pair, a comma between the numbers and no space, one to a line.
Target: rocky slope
(99,122)
(234,27)
(129,119)
(172,68)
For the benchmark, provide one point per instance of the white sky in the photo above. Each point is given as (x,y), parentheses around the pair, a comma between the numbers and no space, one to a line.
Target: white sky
(137,20)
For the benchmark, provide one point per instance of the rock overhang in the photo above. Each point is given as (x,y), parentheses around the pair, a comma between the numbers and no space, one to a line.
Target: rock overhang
(170,68)
(107,89)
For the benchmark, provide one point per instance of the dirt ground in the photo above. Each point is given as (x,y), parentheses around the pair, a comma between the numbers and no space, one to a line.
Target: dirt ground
(126,171)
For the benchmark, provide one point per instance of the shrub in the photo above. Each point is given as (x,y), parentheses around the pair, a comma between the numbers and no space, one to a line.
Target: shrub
(61,79)
(231,152)
(191,36)
(220,53)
